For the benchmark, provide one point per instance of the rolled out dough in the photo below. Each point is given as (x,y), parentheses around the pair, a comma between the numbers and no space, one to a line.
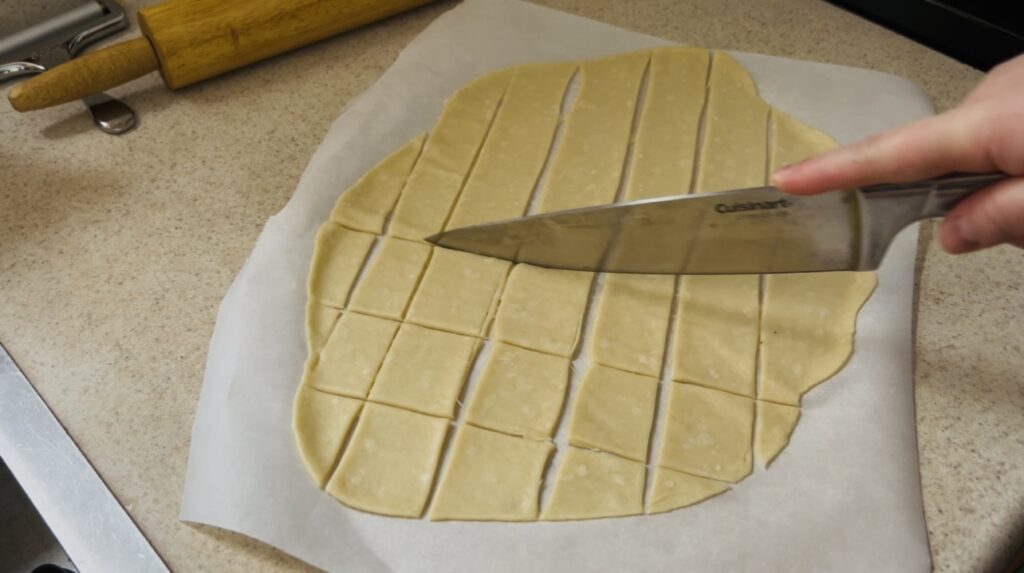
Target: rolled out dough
(672,490)
(491,477)
(520,392)
(592,484)
(386,380)
(613,412)
(390,280)
(349,361)
(389,465)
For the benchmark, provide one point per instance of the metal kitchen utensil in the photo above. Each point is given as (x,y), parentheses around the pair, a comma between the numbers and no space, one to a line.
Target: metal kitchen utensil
(747,231)
(52,42)
(92,527)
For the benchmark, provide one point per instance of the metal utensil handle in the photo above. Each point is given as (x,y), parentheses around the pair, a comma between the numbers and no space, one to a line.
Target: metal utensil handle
(943,193)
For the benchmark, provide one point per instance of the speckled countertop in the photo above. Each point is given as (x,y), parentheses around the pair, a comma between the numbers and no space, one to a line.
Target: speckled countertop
(115,252)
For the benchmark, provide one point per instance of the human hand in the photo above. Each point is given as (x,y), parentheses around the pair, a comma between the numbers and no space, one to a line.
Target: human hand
(984,133)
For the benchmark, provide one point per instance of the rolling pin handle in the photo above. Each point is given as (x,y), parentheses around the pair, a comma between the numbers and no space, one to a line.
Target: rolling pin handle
(87,75)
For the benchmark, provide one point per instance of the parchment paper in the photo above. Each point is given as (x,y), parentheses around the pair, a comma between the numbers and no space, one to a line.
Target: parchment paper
(844,496)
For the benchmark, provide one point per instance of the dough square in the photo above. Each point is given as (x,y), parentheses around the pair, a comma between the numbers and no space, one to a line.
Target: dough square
(459,292)
(320,321)
(717,332)
(774,425)
(354,351)
(390,462)
(672,490)
(388,284)
(337,257)
(542,309)
(321,422)
(520,392)
(592,484)
(367,203)
(424,370)
(613,412)
(491,477)
(632,322)
(707,433)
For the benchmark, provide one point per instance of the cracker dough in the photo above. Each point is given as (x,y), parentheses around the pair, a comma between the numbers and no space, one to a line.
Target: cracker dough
(613,412)
(459,292)
(320,322)
(542,309)
(365,205)
(808,325)
(390,280)
(413,317)
(716,332)
(672,490)
(808,320)
(514,154)
(349,361)
(424,370)
(632,322)
(389,465)
(774,426)
(592,484)
(666,138)
(321,422)
(717,326)
(520,392)
(588,164)
(448,156)
(337,257)
(707,433)
(491,477)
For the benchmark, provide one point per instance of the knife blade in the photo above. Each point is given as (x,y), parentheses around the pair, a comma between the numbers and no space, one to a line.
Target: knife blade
(745,231)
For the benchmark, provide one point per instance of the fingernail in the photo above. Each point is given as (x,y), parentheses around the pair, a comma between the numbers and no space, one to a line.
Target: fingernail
(967,232)
(958,236)
(783,173)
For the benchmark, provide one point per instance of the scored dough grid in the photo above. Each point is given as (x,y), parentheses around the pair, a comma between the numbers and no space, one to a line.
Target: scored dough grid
(650,81)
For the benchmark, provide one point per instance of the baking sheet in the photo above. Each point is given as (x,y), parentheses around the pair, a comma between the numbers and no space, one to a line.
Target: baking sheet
(844,496)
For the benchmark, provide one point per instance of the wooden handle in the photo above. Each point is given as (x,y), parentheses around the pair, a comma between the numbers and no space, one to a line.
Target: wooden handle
(87,75)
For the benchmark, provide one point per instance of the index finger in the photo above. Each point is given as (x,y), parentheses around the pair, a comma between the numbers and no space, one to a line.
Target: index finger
(920,150)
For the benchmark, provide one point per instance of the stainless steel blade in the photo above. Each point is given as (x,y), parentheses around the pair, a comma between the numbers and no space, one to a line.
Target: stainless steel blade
(760,230)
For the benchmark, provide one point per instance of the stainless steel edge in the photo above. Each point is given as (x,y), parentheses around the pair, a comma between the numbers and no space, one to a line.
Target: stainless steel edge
(83,514)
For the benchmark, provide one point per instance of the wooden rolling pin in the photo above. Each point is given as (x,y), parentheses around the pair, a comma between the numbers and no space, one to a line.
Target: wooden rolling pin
(192,40)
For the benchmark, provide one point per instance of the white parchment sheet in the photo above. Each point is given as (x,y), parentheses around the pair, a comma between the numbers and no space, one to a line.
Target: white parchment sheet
(844,496)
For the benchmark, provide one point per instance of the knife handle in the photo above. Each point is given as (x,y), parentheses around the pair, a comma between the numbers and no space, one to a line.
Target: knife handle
(87,75)
(939,195)
(887,209)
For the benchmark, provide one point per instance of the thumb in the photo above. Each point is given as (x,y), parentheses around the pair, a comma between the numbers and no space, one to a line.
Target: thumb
(990,217)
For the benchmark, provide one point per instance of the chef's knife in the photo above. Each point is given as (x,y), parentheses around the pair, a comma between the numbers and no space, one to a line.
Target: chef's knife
(760,230)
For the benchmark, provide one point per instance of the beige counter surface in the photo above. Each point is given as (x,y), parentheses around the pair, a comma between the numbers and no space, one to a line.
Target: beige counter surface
(115,252)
